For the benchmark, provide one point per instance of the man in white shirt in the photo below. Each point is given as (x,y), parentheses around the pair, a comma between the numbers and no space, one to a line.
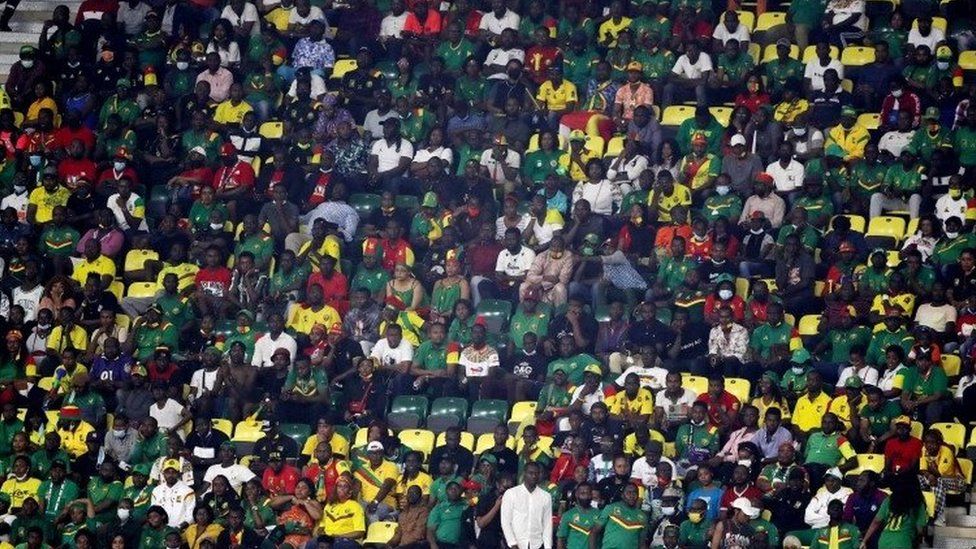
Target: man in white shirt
(498,19)
(391,27)
(390,157)
(527,512)
(897,139)
(496,63)
(924,34)
(821,63)
(235,473)
(174,496)
(511,266)
(730,29)
(18,198)
(373,123)
(266,345)
(127,207)
(786,172)
(501,164)
(392,351)
(690,72)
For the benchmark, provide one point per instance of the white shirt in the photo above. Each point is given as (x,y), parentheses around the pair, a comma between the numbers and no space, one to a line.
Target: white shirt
(229,56)
(316,89)
(868,375)
(373,123)
(265,346)
(391,356)
(501,227)
(895,141)
(915,38)
(516,264)
(602,196)
(248,15)
(28,300)
(178,501)
(684,67)
(17,202)
(814,72)
(495,25)
(630,169)
(501,57)
(588,400)
(236,475)
(677,409)
(444,153)
(527,517)
(130,205)
(787,179)
(935,317)
(652,378)
(389,154)
(816,511)
(946,207)
(723,34)
(168,416)
(646,473)
(314,14)
(488,160)
(964,384)
(887,380)
(203,381)
(392,25)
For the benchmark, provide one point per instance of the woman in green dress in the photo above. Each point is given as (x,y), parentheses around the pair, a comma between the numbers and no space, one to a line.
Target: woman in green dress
(258,514)
(448,291)
(405,287)
(542,162)
(902,517)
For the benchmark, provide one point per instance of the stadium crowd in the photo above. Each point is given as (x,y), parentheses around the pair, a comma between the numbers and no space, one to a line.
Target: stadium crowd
(581,274)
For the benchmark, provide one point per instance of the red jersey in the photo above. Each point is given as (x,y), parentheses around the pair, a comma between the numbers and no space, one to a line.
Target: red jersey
(281,483)
(732,493)
(324,478)
(65,135)
(394,252)
(74,170)
(230,179)
(699,249)
(431,26)
(320,185)
(335,289)
(726,401)
(111,177)
(538,59)
(713,304)
(214,281)
(901,455)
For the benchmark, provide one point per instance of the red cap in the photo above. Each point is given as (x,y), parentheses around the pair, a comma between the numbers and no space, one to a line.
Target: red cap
(763,177)
(757,215)
(481,321)
(228,149)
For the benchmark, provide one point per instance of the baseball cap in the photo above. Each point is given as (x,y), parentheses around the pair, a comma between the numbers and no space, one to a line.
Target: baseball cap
(800,356)
(834,472)
(931,113)
(375,446)
(172,464)
(593,369)
(746,506)
(577,135)
(853,382)
(228,149)
(635,66)
(903,419)
(737,139)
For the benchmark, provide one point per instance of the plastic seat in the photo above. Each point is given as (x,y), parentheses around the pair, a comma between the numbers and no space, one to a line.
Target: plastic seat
(545,443)
(438,423)
(420,440)
(522,411)
(917,429)
(952,433)
(482,425)
(403,420)
(135,260)
(755,52)
(742,287)
(967,60)
(769,53)
(496,313)
(533,144)
(810,53)
(272,129)
(142,289)
(951,364)
(698,384)
(868,462)
(343,66)
(746,18)
(467,440)
(809,325)
(225,426)
(615,146)
(380,533)
(870,120)
(450,405)
(966,467)
(406,403)
(857,56)
(769,20)
(722,114)
(858,223)
(361,438)
(739,387)
(364,203)
(299,432)
(674,115)
(116,288)
(886,228)
(937,23)
(249,431)
(486,442)
(493,408)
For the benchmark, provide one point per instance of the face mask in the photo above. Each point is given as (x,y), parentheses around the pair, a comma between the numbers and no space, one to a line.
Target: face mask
(943,65)
(119,433)
(27,63)
(722,190)
(668,511)
(216,226)
(896,93)
(123,513)
(725,295)
(695,517)
(473,211)
(182,65)
(951,235)
(797,370)
(745,462)
(800,131)
(756,231)
(119,166)
(44,327)
(955,193)
(19,189)
(35,160)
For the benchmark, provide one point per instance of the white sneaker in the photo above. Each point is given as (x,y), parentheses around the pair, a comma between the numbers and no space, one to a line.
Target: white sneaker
(939,520)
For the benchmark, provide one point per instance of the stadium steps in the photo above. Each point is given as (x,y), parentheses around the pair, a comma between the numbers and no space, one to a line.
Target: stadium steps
(27,24)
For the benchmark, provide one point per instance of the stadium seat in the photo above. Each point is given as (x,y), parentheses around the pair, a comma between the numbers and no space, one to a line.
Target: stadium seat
(497,409)
(809,325)
(117,288)
(486,442)
(225,426)
(595,144)
(857,56)
(407,403)
(885,229)
(380,533)
(858,223)
(868,462)
(482,425)
(722,114)
(769,20)
(408,202)
(123,321)
(742,287)
(739,387)
(450,405)
(362,437)
(467,440)
(533,144)
(364,203)
(755,52)
(544,443)
(952,433)
(674,115)
(46,383)
(698,384)
(343,66)
(135,260)
(523,411)
(272,129)
(951,364)
(403,420)
(870,120)
(967,60)
(299,432)
(496,313)
(810,53)
(249,431)
(937,23)
(438,423)
(746,19)
(917,429)
(614,147)
(142,289)
(769,53)
(966,467)
(420,440)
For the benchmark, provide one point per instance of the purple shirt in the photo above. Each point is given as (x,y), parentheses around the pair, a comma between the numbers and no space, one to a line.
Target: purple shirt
(105,369)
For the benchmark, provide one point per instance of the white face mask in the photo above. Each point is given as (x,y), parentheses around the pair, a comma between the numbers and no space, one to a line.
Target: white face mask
(216,226)
(797,370)
(182,65)
(896,93)
(722,190)
(119,166)
(668,511)
(756,231)
(725,295)
(943,65)
(745,462)
(950,235)
(119,433)
(800,131)
(19,189)
(123,513)
(27,63)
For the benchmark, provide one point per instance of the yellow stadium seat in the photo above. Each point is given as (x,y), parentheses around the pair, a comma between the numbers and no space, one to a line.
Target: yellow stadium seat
(917,429)
(810,53)
(847,85)
(136,260)
(18,118)
(937,23)
(467,440)
(819,286)
(966,466)
(929,498)
(420,440)
(256,165)
(361,437)
(893,258)
(116,288)
(952,433)
(123,321)
(769,53)
(886,226)
(534,143)
(857,222)
(738,387)
(223,425)
(722,114)
(698,384)
(746,18)
(951,364)
(486,442)
(870,120)
(789,319)
(857,56)
(380,533)
(769,20)
(742,287)
(248,431)
(594,143)
(522,411)
(142,289)
(670,450)
(615,146)
(674,115)
(868,462)
(754,51)
(967,60)
(809,325)
(272,129)
(343,66)
(46,383)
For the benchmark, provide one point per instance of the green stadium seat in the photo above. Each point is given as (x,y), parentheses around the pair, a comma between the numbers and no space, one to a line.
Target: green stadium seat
(412,404)
(450,405)
(497,409)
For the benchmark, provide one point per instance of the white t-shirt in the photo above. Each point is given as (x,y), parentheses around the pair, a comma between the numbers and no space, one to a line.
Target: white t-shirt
(316,88)
(265,346)
(391,356)
(814,72)
(516,264)
(677,409)
(589,400)
(652,378)
(915,38)
(389,154)
(168,416)
(646,473)
(684,67)
(202,381)
(248,15)
(495,25)
(895,141)
(236,475)
(444,153)
(488,160)
(28,300)
(946,207)
(130,205)
(787,179)
(314,14)
(500,57)
(373,123)
(501,227)
(631,169)
(392,25)
(229,56)
(868,375)
(935,317)
(723,34)
(17,202)
(886,381)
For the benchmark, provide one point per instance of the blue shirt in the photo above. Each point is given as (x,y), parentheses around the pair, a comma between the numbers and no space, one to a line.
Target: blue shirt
(712,496)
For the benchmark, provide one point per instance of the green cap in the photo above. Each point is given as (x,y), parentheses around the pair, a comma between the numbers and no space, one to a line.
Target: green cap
(853,382)
(247,313)
(800,356)
(848,110)
(724,277)
(430,200)
(771,376)
(490,458)
(123,83)
(142,469)
(931,113)
(27,50)
(590,243)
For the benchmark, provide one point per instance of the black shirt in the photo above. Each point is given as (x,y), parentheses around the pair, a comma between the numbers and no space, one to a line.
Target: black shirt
(507,460)
(105,301)
(589,326)
(526,366)
(491,535)
(653,333)
(694,341)
(461,456)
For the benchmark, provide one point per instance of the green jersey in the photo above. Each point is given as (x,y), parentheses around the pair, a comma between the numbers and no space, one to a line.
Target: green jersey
(924,142)
(842,341)
(883,339)
(964,143)
(921,385)
(716,206)
(454,55)
(573,366)
(623,526)
(766,336)
(100,492)
(901,531)
(373,280)
(431,356)
(575,526)
(523,323)
(56,497)
(695,441)
(778,73)
(946,252)
(446,520)
(879,421)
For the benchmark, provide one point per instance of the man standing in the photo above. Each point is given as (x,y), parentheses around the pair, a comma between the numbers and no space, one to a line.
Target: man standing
(527,513)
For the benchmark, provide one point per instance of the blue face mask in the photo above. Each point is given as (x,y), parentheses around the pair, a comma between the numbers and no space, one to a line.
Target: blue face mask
(35,160)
